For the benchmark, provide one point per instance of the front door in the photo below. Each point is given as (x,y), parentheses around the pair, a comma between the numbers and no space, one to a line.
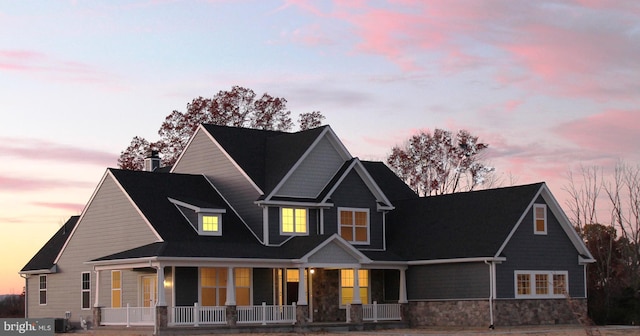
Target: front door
(149,289)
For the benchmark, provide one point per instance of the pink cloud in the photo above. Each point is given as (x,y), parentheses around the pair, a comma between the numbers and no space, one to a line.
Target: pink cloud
(35,149)
(70,207)
(19,184)
(580,49)
(37,63)
(614,132)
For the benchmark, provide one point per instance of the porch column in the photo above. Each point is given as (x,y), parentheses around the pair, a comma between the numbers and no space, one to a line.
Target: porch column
(231,309)
(356,287)
(96,301)
(96,311)
(231,288)
(302,307)
(302,288)
(162,301)
(402,297)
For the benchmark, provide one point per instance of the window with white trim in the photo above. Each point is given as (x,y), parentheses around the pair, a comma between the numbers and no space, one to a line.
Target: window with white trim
(540,219)
(293,221)
(42,280)
(85,291)
(541,284)
(347,282)
(354,225)
(210,224)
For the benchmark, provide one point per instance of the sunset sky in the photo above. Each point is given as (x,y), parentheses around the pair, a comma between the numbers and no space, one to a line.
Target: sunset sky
(549,85)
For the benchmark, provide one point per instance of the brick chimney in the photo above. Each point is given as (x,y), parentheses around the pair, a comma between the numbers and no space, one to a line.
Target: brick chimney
(152,161)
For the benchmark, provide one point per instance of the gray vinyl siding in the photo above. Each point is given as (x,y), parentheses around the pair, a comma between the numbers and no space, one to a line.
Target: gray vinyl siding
(527,251)
(109,225)
(314,172)
(274,225)
(262,286)
(354,193)
(205,157)
(448,281)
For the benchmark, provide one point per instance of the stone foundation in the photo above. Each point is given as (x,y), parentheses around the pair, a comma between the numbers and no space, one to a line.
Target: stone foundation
(543,311)
(449,313)
(505,312)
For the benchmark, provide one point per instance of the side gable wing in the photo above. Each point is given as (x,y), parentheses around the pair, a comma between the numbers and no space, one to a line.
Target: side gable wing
(110,216)
(565,224)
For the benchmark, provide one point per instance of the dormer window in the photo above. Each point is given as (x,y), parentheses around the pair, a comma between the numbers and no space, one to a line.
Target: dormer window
(293,221)
(205,219)
(210,224)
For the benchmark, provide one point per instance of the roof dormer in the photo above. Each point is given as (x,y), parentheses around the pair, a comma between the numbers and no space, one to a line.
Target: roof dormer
(206,219)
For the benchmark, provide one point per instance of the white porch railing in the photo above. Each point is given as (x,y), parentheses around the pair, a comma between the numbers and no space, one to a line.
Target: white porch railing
(196,315)
(128,316)
(378,312)
(264,314)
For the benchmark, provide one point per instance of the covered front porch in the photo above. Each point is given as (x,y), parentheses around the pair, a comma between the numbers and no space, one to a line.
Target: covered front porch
(330,285)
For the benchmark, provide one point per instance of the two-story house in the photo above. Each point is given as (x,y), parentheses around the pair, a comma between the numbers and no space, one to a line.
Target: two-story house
(254,227)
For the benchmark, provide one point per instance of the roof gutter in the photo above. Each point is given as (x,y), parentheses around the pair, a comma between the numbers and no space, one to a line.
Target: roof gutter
(456,261)
(53,269)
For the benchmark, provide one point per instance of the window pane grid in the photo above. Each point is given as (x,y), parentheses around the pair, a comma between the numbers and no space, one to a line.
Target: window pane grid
(210,223)
(347,283)
(354,226)
(541,284)
(294,220)
(540,218)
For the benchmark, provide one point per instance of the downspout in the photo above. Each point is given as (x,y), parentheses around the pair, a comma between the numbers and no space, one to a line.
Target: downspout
(26,295)
(491,326)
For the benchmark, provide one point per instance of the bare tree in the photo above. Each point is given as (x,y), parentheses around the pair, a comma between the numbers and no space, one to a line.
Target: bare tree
(583,195)
(624,195)
(614,240)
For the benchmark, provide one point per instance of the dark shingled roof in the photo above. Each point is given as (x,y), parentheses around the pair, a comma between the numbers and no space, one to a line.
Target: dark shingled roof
(392,186)
(459,225)
(151,193)
(43,260)
(266,156)
(208,247)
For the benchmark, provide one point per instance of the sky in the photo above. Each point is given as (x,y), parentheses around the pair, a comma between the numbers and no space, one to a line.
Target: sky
(549,85)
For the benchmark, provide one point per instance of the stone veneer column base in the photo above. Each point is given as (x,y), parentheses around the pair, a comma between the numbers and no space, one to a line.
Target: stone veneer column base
(232,315)
(162,316)
(355,314)
(96,312)
(302,315)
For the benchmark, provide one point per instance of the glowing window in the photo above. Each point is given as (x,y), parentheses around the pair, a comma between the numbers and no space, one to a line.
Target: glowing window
(210,224)
(116,289)
(347,284)
(294,221)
